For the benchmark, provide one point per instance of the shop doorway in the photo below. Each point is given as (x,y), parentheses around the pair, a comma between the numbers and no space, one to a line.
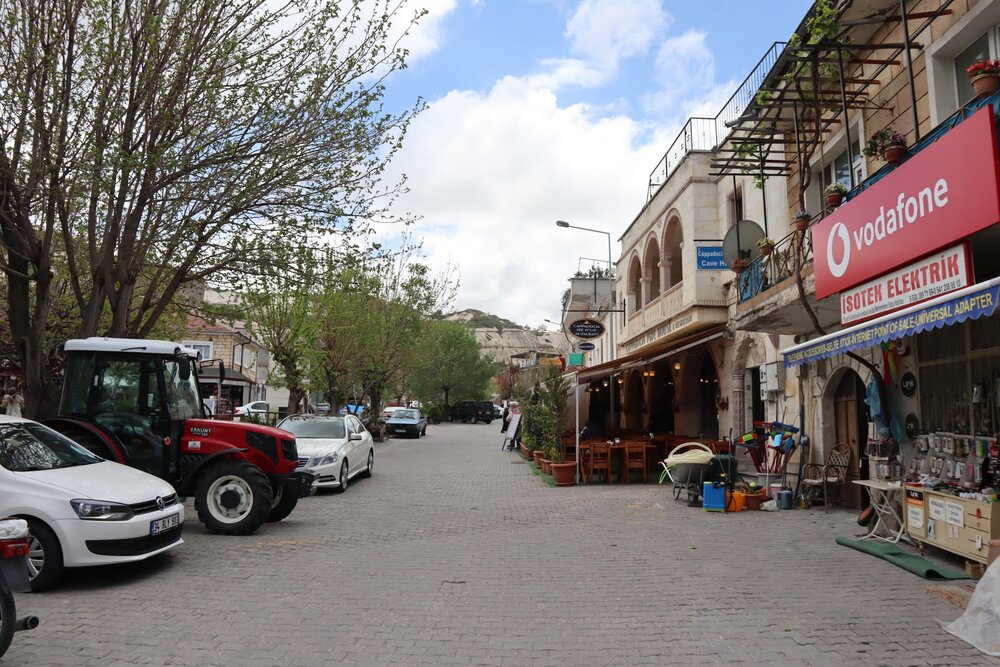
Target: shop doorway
(661,401)
(851,428)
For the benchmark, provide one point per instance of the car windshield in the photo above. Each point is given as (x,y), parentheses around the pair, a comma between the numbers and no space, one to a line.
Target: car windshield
(406,414)
(314,428)
(27,446)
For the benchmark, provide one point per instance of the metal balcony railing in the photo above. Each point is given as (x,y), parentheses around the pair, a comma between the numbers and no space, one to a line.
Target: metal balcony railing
(790,254)
(706,134)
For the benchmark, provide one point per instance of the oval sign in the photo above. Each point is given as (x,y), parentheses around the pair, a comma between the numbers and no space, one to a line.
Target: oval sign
(586,329)
(585,346)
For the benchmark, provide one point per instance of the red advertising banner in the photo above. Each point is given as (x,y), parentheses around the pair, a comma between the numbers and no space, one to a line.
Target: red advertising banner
(942,194)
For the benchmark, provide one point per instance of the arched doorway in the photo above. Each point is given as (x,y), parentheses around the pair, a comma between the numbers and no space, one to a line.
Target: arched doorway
(634,398)
(708,390)
(652,265)
(850,426)
(672,251)
(635,284)
(661,400)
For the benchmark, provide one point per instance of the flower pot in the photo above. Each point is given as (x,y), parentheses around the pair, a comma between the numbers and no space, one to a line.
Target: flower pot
(894,153)
(738,503)
(766,249)
(538,458)
(753,501)
(739,265)
(834,199)
(547,466)
(985,84)
(526,453)
(801,224)
(564,473)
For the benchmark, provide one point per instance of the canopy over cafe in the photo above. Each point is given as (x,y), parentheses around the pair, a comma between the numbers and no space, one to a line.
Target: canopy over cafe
(914,259)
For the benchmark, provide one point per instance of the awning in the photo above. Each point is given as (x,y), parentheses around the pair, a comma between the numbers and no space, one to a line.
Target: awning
(969,303)
(211,374)
(650,355)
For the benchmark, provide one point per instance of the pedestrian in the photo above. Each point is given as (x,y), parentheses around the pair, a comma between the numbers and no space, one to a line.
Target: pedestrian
(504,419)
(14,403)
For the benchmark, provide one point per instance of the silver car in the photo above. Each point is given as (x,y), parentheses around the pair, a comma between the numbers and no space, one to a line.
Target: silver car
(337,447)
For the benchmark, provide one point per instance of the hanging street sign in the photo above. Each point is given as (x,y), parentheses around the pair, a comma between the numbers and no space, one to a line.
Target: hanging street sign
(586,328)
(585,346)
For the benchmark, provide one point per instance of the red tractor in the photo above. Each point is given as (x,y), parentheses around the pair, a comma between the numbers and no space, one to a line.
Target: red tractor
(137,402)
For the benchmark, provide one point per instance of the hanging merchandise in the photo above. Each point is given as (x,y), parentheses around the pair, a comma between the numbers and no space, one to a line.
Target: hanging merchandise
(890,374)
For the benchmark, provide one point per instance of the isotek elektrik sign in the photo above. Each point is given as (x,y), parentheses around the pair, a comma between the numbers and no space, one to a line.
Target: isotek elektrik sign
(944,193)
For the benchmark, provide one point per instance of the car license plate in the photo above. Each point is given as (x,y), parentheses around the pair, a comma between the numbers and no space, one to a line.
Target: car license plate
(166,523)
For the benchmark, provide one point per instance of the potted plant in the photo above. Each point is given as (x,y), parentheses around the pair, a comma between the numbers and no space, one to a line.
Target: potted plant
(801,221)
(835,193)
(985,75)
(766,246)
(887,144)
(739,265)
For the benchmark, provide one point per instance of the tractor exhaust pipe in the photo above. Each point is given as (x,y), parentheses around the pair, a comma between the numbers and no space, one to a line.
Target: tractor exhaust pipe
(26,623)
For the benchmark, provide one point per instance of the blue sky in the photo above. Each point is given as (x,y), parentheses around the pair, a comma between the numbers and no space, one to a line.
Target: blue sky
(556,109)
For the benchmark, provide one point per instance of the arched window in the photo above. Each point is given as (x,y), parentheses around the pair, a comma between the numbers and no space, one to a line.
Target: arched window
(672,244)
(635,284)
(652,262)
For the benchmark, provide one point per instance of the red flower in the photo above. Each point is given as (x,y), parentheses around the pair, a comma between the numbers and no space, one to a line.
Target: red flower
(984,67)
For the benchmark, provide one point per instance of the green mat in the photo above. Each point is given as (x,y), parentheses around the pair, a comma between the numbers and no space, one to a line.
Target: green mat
(895,555)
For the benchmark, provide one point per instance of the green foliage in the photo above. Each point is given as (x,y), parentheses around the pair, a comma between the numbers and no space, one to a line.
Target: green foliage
(449,365)
(435,413)
(545,407)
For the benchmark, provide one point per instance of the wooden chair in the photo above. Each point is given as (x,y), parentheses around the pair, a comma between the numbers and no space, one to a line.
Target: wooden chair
(635,459)
(831,475)
(599,460)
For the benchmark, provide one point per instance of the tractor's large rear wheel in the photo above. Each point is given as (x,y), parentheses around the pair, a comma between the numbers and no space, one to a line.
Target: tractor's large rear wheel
(282,505)
(233,498)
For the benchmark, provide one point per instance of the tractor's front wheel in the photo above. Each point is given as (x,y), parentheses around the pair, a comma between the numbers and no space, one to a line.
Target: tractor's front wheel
(282,505)
(233,498)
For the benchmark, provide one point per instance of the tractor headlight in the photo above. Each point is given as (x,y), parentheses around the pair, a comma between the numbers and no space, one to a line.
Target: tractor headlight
(101,510)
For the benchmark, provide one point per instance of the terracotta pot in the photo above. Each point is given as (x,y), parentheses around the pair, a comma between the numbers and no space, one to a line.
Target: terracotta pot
(538,458)
(547,466)
(834,199)
(766,249)
(564,473)
(985,84)
(800,224)
(739,265)
(894,153)
(527,453)
(753,501)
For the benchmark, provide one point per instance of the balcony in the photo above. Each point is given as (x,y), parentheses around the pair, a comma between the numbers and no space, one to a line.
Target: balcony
(706,134)
(769,296)
(680,311)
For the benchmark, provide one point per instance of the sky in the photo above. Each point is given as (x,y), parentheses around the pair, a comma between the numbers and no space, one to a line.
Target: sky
(545,110)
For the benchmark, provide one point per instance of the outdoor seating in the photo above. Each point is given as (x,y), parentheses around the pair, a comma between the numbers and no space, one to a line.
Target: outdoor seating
(635,459)
(598,459)
(827,477)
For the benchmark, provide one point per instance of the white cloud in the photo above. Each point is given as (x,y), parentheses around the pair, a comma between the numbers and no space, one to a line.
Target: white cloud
(685,69)
(491,173)
(425,38)
(608,31)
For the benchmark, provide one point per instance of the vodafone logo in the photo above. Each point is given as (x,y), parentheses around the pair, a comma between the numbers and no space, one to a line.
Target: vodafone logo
(839,232)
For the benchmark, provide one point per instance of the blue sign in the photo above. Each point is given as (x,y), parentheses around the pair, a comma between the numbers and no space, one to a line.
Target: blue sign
(973,304)
(586,346)
(710,257)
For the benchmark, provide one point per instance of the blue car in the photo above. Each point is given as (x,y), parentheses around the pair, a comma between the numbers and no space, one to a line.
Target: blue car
(406,421)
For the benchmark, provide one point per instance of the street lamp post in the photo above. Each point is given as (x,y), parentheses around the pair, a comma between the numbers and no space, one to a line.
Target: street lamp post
(611,285)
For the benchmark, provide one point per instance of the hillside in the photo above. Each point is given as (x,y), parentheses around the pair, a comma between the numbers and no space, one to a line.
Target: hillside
(500,338)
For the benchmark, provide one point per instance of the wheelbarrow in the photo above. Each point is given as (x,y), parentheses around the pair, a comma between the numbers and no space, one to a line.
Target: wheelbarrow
(686,467)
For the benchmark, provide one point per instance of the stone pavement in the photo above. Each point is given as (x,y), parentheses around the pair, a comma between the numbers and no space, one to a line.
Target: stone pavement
(455,553)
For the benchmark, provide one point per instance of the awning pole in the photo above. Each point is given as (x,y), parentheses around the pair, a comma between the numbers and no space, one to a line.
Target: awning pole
(578,431)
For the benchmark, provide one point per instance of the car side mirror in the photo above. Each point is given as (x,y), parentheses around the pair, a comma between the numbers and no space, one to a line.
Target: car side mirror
(354,436)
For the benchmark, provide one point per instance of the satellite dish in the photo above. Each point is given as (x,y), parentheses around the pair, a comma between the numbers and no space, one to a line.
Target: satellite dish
(741,242)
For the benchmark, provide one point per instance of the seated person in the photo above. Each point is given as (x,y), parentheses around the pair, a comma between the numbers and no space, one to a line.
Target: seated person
(592,430)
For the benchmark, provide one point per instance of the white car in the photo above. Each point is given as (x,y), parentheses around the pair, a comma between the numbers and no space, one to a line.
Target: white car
(253,408)
(81,509)
(336,447)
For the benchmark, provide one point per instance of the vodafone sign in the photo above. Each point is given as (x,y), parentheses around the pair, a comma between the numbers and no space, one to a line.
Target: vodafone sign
(944,193)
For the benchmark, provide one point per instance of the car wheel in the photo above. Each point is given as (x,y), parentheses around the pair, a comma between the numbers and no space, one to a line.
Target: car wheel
(371,464)
(45,556)
(282,505)
(344,472)
(233,498)
(424,431)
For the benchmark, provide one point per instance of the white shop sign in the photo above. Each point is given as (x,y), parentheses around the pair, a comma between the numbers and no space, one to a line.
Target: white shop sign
(937,508)
(937,274)
(955,513)
(916,516)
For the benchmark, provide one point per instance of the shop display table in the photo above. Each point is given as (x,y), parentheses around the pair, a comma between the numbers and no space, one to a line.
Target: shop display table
(944,520)
(885,499)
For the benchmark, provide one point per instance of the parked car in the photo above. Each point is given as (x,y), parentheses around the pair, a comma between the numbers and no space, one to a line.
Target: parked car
(388,411)
(497,411)
(254,408)
(336,447)
(407,421)
(81,510)
(360,411)
(471,411)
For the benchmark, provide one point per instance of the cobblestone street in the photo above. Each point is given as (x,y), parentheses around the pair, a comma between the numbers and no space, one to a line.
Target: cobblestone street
(456,553)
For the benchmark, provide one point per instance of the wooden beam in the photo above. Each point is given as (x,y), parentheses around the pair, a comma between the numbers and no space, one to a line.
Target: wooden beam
(896,17)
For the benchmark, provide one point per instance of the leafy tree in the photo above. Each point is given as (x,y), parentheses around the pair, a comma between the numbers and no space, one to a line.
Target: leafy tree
(151,144)
(450,363)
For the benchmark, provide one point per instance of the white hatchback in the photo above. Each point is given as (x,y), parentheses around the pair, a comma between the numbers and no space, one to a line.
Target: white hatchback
(81,509)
